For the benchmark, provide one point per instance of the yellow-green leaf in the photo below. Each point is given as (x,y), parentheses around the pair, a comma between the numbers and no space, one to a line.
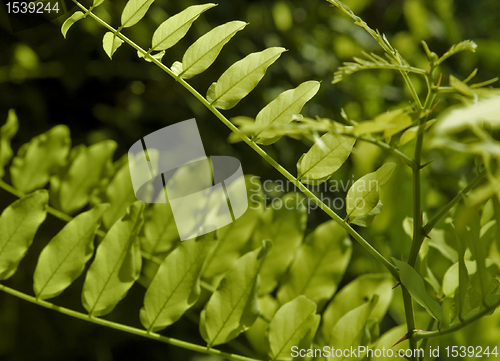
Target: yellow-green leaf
(134,11)
(7,132)
(70,21)
(111,43)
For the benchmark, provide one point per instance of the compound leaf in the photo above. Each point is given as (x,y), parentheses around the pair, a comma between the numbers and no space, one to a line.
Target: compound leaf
(176,286)
(241,78)
(175,27)
(18,224)
(42,157)
(7,132)
(233,307)
(63,259)
(134,11)
(199,56)
(116,266)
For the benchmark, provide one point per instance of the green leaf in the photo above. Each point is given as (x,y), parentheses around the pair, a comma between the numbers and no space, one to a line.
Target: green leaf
(349,330)
(116,266)
(411,133)
(466,45)
(324,158)
(416,287)
(282,109)
(366,219)
(176,286)
(233,307)
(97,3)
(451,279)
(199,56)
(63,259)
(241,78)
(290,325)
(70,21)
(84,174)
(319,265)
(285,227)
(7,132)
(111,43)
(18,224)
(175,27)
(461,87)
(356,294)
(364,194)
(42,157)
(134,11)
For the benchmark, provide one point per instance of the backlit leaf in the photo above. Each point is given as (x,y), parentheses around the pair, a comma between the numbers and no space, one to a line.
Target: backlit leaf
(116,266)
(366,219)
(241,78)
(18,224)
(290,325)
(176,286)
(319,265)
(111,43)
(78,15)
(134,11)
(175,27)
(233,307)
(199,56)
(282,109)
(63,259)
(42,157)
(324,158)
(7,131)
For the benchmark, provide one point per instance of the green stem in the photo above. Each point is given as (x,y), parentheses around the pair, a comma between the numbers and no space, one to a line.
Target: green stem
(124,328)
(442,212)
(256,148)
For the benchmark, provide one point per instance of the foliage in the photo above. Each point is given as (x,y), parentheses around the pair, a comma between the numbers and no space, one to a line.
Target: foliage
(262,281)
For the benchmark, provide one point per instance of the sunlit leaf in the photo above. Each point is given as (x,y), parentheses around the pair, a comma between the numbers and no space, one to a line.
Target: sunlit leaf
(324,158)
(461,87)
(78,15)
(134,11)
(199,56)
(313,273)
(290,325)
(282,109)
(176,286)
(110,43)
(175,27)
(7,132)
(19,223)
(241,78)
(63,259)
(233,307)
(116,266)
(366,219)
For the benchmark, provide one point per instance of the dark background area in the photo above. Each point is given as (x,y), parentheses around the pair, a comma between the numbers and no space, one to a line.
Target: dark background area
(50,81)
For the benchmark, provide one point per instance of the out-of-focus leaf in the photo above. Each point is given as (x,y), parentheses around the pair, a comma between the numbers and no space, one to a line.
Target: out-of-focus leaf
(290,325)
(284,226)
(364,194)
(78,15)
(42,157)
(176,286)
(97,3)
(233,307)
(466,45)
(282,109)
(134,11)
(324,158)
(411,133)
(461,87)
(116,266)
(416,287)
(63,259)
(199,56)
(18,224)
(388,340)
(7,131)
(110,43)
(319,265)
(452,276)
(241,78)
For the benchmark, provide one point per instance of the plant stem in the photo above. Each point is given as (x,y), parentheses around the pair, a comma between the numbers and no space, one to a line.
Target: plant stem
(255,147)
(124,328)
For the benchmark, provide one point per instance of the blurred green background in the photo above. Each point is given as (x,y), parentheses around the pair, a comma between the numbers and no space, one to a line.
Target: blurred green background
(50,80)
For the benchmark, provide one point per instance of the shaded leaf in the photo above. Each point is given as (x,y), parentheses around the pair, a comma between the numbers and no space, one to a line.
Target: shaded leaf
(319,265)
(324,158)
(19,223)
(7,132)
(411,133)
(63,259)
(116,266)
(241,78)
(233,307)
(78,15)
(134,11)
(176,286)
(175,27)
(461,87)
(366,219)
(110,43)
(199,56)
(42,157)
(282,109)
(416,287)
(290,325)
